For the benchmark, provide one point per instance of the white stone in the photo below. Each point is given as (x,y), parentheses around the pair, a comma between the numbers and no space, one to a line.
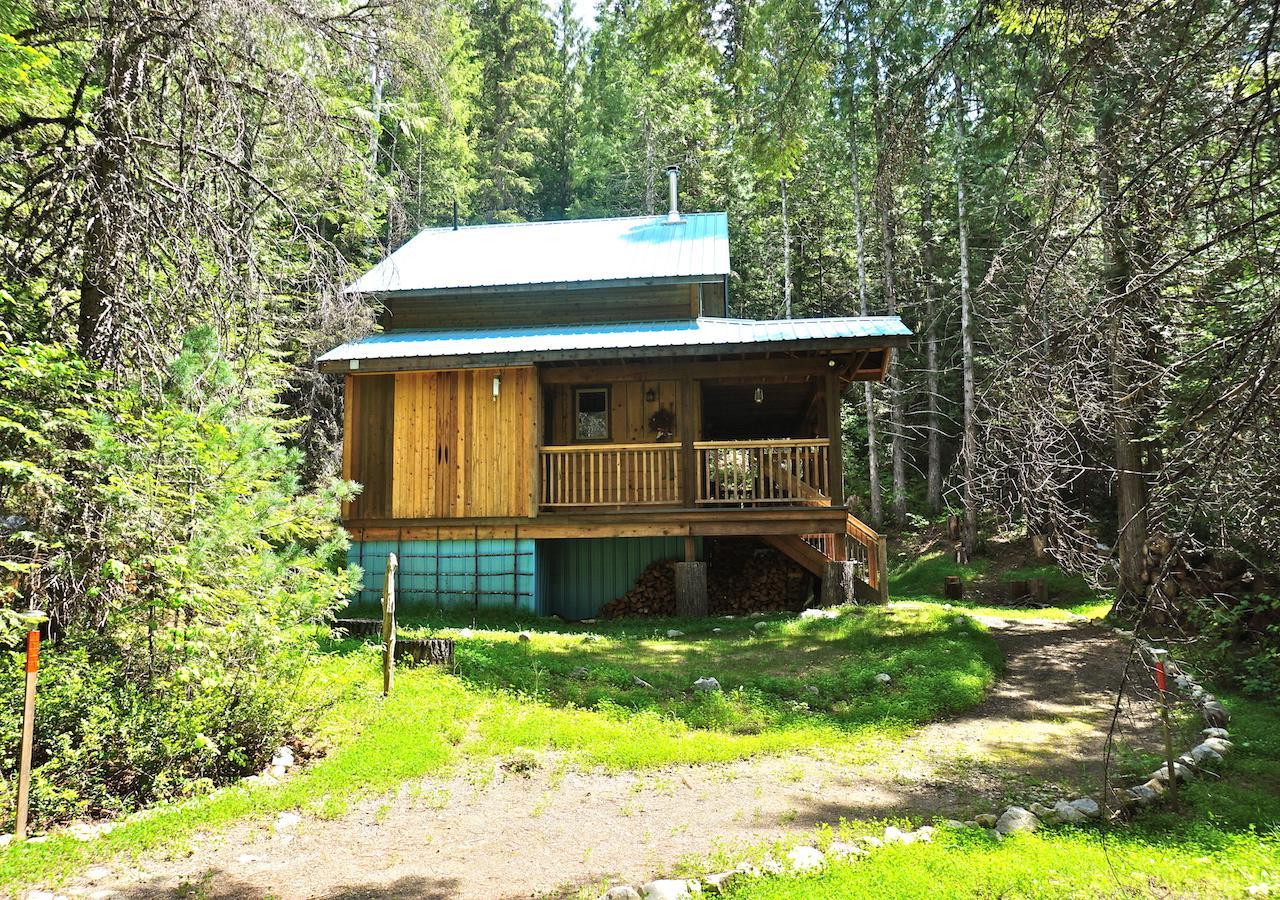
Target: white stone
(1068,814)
(819,614)
(580,672)
(872,842)
(925,833)
(465,632)
(811,689)
(1218,745)
(802,859)
(760,625)
(1216,733)
(94,873)
(525,636)
(1180,771)
(287,820)
(1203,756)
(1146,795)
(1259,890)
(883,678)
(282,757)
(277,772)
(705,685)
(621,892)
(895,836)
(1015,818)
(674,633)
(1088,806)
(716,630)
(716,882)
(1215,714)
(841,850)
(666,889)
(640,682)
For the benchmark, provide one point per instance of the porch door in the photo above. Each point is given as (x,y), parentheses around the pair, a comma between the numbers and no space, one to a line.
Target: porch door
(447,447)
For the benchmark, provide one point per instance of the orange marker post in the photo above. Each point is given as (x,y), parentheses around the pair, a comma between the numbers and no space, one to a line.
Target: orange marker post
(28,731)
(1162,685)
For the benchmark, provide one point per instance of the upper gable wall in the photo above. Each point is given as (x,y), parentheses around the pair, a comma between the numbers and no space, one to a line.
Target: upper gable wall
(657,302)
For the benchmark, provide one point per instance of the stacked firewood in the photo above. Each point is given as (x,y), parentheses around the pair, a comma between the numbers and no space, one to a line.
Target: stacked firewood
(1181,577)
(741,578)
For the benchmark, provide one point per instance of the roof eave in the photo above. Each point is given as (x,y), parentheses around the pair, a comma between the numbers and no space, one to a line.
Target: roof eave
(523,358)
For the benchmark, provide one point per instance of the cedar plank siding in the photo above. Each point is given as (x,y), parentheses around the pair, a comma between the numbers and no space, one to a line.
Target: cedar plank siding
(552,307)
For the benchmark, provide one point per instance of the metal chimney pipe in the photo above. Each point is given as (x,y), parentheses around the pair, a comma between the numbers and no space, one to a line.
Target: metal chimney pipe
(673,176)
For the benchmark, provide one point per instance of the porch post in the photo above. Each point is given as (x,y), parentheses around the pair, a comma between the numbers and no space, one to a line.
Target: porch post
(688,430)
(835,453)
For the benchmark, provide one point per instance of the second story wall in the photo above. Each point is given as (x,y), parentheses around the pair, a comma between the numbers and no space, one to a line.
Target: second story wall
(564,306)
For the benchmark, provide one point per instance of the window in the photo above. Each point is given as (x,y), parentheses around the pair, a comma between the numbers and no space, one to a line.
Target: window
(591,414)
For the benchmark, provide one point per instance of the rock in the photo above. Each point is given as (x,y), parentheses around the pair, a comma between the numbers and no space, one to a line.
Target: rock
(1217,745)
(955,823)
(1088,806)
(1215,714)
(96,873)
(282,757)
(716,630)
(640,682)
(986,820)
(592,638)
(841,850)
(666,889)
(1180,771)
(287,820)
(1015,819)
(1068,814)
(1259,890)
(1204,756)
(706,685)
(580,672)
(1146,794)
(621,892)
(819,614)
(971,823)
(465,633)
(811,689)
(38,839)
(525,636)
(718,882)
(82,831)
(873,842)
(883,678)
(674,633)
(925,833)
(803,859)
(1216,733)
(1040,811)
(277,772)
(895,836)
(760,625)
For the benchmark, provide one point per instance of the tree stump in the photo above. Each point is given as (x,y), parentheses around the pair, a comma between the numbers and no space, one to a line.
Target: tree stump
(691,589)
(953,588)
(839,583)
(1019,592)
(432,651)
(1039,591)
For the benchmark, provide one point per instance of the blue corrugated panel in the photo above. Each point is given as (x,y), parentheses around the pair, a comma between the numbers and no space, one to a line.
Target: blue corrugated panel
(552,253)
(565,339)
(579,575)
(483,574)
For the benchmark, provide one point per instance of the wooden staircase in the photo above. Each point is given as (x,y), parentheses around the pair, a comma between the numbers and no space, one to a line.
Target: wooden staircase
(860,546)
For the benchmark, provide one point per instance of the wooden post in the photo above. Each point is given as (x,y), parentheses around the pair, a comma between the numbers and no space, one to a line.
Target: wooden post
(690,548)
(389,624)
(882,567)
(953,588)
(1038,588)
(835,452)
(691,589)
(1162,686)
(688,434)
(28,732)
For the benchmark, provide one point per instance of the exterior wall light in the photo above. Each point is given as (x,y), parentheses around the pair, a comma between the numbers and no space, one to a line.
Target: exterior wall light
(497,386)
(759,395)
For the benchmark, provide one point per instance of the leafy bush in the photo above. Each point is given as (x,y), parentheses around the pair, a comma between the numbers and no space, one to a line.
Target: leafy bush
(167,535)
(1242,636)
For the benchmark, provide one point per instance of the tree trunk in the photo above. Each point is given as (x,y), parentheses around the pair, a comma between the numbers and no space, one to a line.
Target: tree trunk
(933,493)
(968,449)
(786,252)
(1124,304)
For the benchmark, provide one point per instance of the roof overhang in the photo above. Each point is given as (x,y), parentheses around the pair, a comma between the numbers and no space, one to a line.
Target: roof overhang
(689,340)
(601,284)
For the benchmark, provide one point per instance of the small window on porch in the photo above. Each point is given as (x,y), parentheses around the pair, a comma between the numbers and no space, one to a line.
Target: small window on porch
(591,414)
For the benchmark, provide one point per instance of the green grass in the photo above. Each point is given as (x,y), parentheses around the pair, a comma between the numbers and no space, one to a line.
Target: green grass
(514,697)
(1226,838)
(920,579)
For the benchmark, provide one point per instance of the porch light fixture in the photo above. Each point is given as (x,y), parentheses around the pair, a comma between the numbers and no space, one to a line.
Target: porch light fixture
(759,395)
(650,395)
(497,386)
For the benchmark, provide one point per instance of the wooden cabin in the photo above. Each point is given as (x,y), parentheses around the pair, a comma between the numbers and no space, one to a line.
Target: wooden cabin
(550,407)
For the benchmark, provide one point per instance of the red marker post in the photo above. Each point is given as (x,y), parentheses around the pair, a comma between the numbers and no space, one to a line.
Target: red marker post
(1162,685)
(28,729)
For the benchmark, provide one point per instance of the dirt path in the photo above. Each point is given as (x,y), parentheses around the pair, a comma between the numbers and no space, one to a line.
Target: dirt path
(498,834)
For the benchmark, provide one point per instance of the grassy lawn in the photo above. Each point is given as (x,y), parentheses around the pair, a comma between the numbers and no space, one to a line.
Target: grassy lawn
(1226,839)
(920,579)
(514,697)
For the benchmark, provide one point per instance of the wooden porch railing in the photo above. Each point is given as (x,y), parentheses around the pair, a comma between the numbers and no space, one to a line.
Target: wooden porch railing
(861,547)
(752,473)
(610,475)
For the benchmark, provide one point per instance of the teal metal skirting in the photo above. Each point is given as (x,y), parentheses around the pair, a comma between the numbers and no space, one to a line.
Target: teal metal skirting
(475,574)
(576,576)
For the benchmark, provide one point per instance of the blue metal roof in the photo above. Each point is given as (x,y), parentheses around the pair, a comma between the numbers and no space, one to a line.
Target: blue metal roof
(554,253)
(538,343)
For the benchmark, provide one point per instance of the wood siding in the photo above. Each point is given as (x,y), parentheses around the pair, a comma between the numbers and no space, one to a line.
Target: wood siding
(439,445)
(559,307)
(458,451)
(629,410)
